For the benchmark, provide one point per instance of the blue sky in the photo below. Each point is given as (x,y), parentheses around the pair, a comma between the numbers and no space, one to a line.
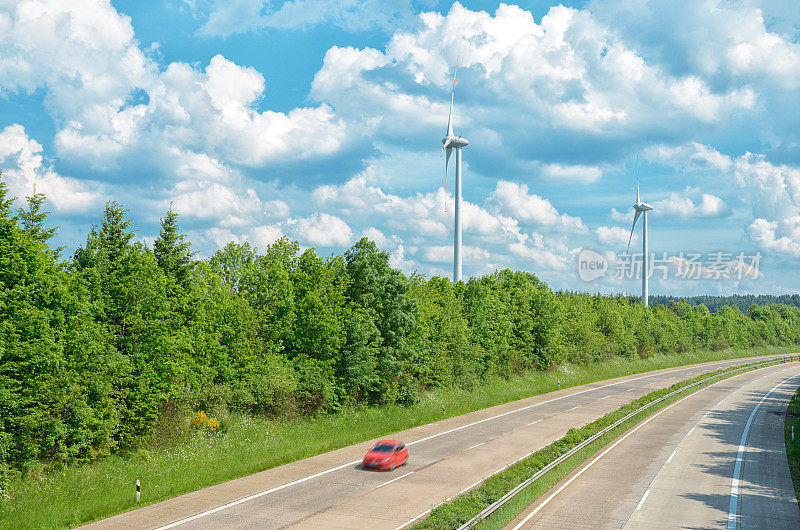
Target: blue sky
(322,121)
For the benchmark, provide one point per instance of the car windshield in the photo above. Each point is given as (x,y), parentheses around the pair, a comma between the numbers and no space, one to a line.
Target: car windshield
(382,448)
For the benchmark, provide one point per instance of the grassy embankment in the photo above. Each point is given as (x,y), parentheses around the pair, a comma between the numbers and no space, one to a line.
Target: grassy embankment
(57,498)
(793,443)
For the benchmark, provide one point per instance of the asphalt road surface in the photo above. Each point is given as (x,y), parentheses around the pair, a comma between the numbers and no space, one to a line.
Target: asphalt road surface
(716,459)
(446,457)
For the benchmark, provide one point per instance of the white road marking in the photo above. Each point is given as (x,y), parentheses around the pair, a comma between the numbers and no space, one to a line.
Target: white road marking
(604,397)
(454,495)
(690,431)
(737,468)
(394,480)
(630,389)
(605,452)
(718,404)
(354,462)
(670,456)
(573,408)
(533,422)
(476,445)
(527,407)
(256,495)
(639,506)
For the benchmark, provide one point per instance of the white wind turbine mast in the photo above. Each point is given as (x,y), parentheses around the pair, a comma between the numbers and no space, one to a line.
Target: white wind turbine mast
(451,141)
(641,208)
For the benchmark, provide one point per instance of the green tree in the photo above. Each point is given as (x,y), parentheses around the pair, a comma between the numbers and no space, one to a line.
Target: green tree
(32,220)
(381,292)
(172,250)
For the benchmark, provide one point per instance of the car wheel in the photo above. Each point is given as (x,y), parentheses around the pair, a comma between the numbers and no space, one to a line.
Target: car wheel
(391,468)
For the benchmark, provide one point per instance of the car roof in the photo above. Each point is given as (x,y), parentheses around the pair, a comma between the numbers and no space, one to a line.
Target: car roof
(389,442)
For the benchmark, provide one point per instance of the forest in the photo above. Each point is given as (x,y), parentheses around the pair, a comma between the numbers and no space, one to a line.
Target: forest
(742,301)
(97,348)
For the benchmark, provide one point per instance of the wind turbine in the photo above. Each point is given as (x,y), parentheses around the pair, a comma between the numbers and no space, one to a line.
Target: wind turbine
(641,208)
(451,141)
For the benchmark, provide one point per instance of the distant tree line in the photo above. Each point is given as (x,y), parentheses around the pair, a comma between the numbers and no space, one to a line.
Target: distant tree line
(95,349)
(741,301)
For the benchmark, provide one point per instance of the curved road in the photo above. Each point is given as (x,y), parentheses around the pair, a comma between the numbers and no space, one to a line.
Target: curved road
(716,459)
(446,458)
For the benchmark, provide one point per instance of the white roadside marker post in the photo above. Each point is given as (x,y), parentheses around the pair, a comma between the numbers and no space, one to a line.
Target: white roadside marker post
(138,491)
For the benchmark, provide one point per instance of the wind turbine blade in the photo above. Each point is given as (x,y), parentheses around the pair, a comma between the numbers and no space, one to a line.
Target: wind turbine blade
(452,95)
(635,218)
(637,179)
(446,164)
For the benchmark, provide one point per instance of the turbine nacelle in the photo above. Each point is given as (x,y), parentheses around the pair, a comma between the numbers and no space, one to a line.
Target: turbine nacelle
(454,141)
(642,207)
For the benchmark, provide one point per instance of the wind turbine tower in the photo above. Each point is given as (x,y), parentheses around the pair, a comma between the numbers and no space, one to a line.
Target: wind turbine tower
(641,208)
(451,141)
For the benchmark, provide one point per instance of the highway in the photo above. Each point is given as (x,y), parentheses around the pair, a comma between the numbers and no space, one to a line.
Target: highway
(446,457)
(716,459)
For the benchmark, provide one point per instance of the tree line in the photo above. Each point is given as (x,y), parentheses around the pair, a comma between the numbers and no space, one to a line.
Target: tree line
(96,348)
(741,301)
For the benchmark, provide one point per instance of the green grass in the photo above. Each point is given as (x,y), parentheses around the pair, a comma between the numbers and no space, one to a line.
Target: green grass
(793,445)
(58,498)
(463,508)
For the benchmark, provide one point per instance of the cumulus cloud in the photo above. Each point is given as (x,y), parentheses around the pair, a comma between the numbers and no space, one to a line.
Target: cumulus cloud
(490,236)
(614,235)
(683,207)
(764,233)
(116,102)
(515,199)
(24,167)
(691,155)
(568,72)
(324,230)
(722,40)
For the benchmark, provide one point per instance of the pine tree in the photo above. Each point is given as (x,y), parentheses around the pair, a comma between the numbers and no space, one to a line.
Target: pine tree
(114,234)
(32,221)
(171,249)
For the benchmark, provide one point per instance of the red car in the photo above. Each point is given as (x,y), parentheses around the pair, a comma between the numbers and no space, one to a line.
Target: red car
(386,454)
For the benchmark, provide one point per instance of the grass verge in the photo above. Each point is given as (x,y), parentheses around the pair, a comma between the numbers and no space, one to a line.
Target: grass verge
(53,497)
(792,434)
(461,509)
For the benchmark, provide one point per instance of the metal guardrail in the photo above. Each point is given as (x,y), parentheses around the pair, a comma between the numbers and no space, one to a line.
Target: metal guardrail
(549,467)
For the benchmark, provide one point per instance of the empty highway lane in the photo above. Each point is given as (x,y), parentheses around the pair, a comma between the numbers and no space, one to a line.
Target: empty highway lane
(715,459)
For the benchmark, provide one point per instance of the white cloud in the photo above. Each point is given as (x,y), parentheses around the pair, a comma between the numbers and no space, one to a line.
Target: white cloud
(682,206)
(265,235)
(277,209)
(212,200)
(577,173)
(444,254)
(713,38)
(24,167)
(515,199)
(764,233)
(614,235)
(692,155)
(620,216)
(116,102)
(324,230)
(568,72)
